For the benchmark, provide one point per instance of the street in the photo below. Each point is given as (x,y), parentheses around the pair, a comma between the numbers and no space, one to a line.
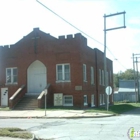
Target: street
(108,128)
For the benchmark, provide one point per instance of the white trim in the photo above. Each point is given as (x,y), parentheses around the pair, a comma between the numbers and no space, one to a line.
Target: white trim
(107,78)
(62,81)
(36,70)
(84,73)
(11,75)
(103,82)
(92,100)
(85,100)
(100,99)
(110,77)
(63,73)
(65,104)
(100,79)
(103,99)
(92,75)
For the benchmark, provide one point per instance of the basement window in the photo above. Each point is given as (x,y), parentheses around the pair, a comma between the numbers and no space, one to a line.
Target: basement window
(68,100)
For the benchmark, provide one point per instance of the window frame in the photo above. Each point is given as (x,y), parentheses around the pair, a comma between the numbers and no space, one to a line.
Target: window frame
(84,73)
(110,77)
(12,76)
(92,75)
(69,104)
(107,79)
(103,79)
(63,73)
(92,100)
(100,99)
(100,77)
(103,99)
(85,103)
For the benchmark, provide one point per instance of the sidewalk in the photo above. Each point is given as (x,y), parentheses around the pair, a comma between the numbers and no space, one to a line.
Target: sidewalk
(58,114)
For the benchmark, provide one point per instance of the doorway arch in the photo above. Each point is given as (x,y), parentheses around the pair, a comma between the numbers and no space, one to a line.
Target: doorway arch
(36,78)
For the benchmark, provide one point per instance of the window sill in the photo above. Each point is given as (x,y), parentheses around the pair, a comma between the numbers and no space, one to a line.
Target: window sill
(62,81)
(85,81)
(85,104)
(67,104)
(92,105)
(92,84)
(11,84)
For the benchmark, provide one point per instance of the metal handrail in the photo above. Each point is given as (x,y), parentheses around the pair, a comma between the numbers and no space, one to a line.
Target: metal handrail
(16,93)
(43,92)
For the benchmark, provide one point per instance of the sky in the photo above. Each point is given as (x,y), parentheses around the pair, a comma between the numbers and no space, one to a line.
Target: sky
(19,17)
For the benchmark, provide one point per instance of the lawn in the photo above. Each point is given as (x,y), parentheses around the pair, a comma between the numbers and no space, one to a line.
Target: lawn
(117,108)
(4,109)
(15,133)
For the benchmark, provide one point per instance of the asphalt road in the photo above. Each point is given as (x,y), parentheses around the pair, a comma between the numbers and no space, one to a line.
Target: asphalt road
(110,128)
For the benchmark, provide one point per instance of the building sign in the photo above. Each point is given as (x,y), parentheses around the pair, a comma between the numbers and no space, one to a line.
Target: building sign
(58,99)
(78,87)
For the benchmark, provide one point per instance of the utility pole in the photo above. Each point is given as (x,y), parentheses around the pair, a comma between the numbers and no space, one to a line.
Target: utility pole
(137,76)
(137,79)
(134,76)
(105,30)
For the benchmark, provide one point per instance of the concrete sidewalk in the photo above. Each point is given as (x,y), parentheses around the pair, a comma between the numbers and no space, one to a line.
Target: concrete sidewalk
(58,114)
(51,114)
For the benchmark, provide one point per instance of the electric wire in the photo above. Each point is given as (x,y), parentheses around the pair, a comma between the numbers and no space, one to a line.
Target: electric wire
(81,31)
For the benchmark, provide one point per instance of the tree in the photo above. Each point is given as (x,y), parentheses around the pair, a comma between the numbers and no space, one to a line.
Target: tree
(127,75)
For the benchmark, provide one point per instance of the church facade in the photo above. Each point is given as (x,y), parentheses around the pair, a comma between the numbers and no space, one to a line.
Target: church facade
(74,71)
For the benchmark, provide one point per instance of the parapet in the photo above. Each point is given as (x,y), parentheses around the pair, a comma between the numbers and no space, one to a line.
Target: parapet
(6,46)
(71,36)
(61,37)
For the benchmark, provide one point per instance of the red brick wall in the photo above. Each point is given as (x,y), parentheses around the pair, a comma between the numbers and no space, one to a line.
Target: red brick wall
(52,51)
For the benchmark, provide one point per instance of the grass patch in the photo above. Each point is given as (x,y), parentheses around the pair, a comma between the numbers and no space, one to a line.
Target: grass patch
(117,108)
(15,133)
(4,109)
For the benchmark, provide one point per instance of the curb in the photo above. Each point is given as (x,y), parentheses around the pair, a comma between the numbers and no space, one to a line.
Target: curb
(45,117)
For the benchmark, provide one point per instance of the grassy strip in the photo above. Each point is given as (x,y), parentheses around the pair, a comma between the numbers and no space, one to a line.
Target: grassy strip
(117,108)
(15,133)
(4,109)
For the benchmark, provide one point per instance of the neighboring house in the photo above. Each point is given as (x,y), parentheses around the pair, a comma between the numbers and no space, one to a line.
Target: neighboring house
(126,91)
(74,71)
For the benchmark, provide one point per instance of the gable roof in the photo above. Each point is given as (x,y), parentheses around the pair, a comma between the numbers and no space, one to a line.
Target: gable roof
(38,32)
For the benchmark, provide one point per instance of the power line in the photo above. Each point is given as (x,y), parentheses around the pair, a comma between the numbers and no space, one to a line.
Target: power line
(79,30)
(69,23)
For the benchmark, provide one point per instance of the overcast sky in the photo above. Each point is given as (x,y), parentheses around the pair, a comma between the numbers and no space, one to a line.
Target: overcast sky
(19,17)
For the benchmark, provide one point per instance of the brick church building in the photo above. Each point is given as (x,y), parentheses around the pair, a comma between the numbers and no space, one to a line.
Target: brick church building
(67,69)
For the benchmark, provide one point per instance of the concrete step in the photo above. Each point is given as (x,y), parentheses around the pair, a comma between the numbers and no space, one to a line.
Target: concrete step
(27,103)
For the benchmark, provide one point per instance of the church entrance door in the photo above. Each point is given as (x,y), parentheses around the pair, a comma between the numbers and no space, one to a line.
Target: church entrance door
(37,78)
